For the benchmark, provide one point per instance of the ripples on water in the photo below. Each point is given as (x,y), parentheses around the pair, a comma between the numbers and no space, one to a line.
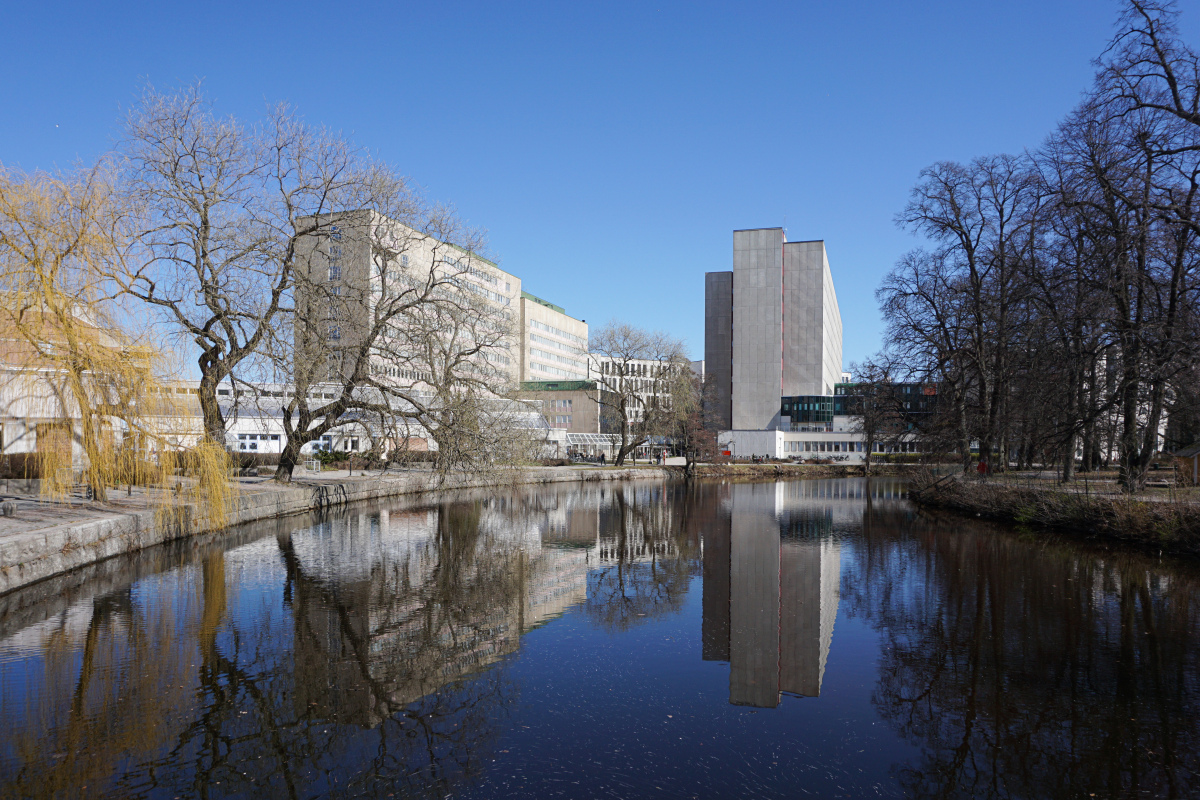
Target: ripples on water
(805,638)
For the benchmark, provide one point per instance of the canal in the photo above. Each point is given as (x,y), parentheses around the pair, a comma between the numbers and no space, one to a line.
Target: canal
(804,638)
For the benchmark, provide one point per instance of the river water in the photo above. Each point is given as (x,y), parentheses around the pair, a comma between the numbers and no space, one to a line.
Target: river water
(806,638)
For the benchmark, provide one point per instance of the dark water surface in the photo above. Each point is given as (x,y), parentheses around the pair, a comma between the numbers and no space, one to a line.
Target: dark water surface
(811,638)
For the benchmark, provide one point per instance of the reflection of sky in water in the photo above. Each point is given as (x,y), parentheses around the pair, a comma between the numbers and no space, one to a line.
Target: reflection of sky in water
(813,637)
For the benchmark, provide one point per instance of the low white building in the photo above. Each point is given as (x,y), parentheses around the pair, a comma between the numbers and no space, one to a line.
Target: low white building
(840,443)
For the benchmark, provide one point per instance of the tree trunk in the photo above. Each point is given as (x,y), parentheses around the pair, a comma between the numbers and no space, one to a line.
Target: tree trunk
(1068,461)
(965,436)
(210,409)
(287,462)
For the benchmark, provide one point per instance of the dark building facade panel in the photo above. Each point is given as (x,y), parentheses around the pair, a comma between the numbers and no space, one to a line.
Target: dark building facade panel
(714,627)
(718,344)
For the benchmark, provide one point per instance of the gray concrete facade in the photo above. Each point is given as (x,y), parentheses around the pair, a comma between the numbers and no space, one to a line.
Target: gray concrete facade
(757,327)
(718,345)
(812,323)
(773,326)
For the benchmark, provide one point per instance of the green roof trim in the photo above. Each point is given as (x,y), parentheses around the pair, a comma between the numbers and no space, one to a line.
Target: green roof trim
(545,303)
(557,386)
(475,255)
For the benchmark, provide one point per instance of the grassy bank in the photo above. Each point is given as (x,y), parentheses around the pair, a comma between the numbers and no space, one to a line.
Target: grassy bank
(1156,523)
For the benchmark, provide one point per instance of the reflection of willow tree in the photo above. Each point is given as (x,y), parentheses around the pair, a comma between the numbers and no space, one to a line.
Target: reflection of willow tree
(114,696)
(648,551)
(1030,671)
(361,687)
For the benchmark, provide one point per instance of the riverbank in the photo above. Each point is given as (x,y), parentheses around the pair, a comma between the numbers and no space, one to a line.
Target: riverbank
(1153,521)
(33,547)
(758,472)
(46,539)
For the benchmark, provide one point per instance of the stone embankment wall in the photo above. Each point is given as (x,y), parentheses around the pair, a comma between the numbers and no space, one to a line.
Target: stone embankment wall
(31,557)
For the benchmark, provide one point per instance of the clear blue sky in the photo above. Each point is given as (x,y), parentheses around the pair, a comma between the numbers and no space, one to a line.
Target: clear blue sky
(610,149)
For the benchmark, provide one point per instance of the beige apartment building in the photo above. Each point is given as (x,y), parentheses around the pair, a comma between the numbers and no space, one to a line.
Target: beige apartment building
(553,344)
(362,258)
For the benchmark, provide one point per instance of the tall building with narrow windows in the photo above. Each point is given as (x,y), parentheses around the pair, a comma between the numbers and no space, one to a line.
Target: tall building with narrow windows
(772,328)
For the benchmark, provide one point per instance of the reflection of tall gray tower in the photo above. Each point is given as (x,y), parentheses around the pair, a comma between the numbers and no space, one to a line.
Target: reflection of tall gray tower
(772,325)
(753,609)
(714,631)
(783,599)
(808,579)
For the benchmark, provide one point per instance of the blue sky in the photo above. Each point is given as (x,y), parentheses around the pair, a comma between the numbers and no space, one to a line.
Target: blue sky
(609,149)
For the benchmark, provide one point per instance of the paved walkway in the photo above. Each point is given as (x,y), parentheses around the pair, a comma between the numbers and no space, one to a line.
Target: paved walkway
(33,513)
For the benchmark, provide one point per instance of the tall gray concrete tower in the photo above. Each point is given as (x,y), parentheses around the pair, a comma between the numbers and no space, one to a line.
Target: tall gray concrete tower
(774,320)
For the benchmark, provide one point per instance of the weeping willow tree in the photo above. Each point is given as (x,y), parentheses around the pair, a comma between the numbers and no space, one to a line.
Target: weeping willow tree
(97,391)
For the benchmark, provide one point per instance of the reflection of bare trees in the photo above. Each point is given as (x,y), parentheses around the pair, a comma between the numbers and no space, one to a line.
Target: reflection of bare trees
(649,548)
(1030,671)
(369,685)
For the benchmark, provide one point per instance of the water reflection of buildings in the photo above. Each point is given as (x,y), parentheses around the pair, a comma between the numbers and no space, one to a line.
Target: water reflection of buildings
(629,526)
(389,607)
(772,565)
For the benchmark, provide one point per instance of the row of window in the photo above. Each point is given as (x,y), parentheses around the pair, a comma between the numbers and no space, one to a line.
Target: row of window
(482,274)
(570,337)
(822,447)
(272,437)
(560,420)
(635,370)
(848,447)
(225,393)
(639,385)
(558,403)
(396,372)
(533,337)
(562,373)
(570,362)
(348,443)
(477,289)
(496,358)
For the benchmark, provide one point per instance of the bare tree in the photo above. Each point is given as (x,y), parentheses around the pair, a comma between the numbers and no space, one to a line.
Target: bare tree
(875,408)
(979,214)
(225,205)
(928,326)
(637,373)
(696,423)
(402,328)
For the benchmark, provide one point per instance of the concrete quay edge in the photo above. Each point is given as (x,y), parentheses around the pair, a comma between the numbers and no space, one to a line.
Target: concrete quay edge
(45,554)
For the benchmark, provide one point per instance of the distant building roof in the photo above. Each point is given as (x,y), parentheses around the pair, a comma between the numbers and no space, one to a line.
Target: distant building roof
(545,303)
(557,386)
(1189,451)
